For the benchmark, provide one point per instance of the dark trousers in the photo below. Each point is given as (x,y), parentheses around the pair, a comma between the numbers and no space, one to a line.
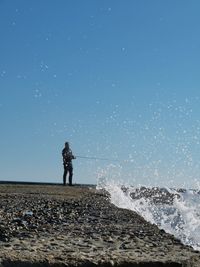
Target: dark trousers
(68,168)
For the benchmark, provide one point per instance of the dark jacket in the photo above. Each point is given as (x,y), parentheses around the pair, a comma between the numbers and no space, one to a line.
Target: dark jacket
(67,156)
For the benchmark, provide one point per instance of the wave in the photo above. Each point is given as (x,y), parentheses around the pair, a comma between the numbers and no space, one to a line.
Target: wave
(177,211)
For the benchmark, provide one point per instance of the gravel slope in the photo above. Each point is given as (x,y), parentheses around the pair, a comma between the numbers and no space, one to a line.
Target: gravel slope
(52,225)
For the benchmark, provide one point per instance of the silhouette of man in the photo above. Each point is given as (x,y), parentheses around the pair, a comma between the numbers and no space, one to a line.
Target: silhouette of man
(67,163)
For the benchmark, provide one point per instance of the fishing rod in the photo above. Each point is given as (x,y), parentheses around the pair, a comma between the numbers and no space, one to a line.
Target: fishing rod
(97,158)
(106,159)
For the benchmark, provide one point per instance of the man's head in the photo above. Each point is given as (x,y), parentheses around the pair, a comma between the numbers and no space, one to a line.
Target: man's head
(67,145)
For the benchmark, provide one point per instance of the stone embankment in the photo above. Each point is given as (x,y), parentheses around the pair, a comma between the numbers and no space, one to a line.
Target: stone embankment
(58,226)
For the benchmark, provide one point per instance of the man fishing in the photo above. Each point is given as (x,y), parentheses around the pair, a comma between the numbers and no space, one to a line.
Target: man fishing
(67,163)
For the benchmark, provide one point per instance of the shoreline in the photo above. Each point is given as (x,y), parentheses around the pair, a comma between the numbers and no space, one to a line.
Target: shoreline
(54,225)
(2,182)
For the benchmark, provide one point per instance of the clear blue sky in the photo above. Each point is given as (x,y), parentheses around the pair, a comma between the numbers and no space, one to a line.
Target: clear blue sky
(117,79)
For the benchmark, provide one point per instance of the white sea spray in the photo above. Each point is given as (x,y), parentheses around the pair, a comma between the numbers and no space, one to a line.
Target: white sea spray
(180,217)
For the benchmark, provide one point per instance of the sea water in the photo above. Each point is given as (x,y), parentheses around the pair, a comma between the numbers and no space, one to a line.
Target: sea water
(159,149)
(180,217)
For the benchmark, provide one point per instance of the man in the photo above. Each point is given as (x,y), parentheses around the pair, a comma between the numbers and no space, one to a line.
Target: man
(67,163)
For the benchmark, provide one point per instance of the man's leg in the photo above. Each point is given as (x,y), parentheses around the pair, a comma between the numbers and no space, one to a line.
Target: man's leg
(64,176)
(70,175)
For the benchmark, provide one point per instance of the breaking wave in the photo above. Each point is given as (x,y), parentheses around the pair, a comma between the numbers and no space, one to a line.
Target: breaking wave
(177,211)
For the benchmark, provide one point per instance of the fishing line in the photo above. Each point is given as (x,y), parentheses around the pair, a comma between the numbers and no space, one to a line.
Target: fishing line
(96,158)
(106,159)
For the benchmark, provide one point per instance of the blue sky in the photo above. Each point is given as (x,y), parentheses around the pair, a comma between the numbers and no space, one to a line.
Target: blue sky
(117,79)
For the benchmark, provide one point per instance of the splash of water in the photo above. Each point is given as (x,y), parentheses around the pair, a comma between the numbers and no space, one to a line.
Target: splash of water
(175,211)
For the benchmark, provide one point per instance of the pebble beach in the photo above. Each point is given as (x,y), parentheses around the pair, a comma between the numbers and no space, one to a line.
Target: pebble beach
(55,225)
